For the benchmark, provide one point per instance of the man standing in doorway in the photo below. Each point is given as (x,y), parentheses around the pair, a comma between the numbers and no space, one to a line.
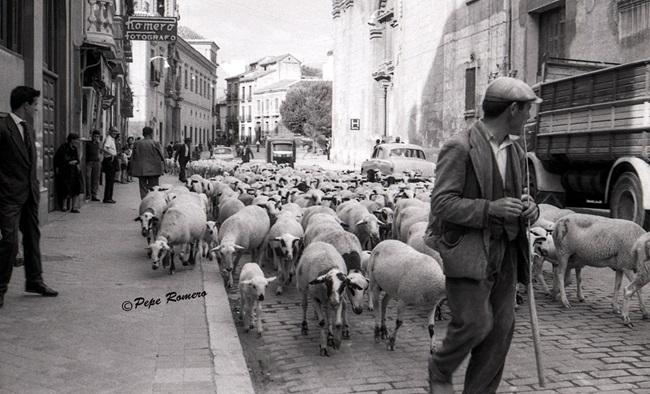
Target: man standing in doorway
(93,166)
(108,164)
(183,156)
(147,161)
(20,194)
(478,225)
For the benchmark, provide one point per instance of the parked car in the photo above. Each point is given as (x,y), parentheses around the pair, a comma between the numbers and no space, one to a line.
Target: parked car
(223,153)
(397,158)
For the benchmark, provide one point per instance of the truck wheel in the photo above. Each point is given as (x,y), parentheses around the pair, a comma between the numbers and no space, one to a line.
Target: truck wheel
(626,201)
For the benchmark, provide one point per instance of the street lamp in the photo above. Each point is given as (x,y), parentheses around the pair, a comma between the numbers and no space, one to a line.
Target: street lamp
(166,65)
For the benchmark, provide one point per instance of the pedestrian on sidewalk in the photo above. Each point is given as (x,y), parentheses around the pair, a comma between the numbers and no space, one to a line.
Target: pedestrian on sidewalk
(257,144)
(478,225)
(93,166)
(20,193)
(170,150)
(67,175)
(129,153)
(109,164)
(182,157)
(147,162)
(247,155)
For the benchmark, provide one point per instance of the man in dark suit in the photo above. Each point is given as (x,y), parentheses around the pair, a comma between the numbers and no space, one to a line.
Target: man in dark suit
(19,193)
(147,161)
(478,225)
(183,156)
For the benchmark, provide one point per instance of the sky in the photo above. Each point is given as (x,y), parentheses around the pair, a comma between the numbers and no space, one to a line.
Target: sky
(246,30)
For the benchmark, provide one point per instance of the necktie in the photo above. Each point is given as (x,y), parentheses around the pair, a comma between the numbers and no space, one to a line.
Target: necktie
(27,139)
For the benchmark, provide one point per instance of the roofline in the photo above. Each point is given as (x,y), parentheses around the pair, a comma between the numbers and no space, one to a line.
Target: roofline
(205,41)
(198,55)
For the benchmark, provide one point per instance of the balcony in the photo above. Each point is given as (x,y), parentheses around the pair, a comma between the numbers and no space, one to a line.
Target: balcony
(99,25)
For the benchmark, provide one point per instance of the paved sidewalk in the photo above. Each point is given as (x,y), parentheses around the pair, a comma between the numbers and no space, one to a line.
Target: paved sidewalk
(82,340)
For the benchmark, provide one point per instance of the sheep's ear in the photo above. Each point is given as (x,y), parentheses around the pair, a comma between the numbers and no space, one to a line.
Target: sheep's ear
(271,279)
(245,282)
(320,279)
(381,223)
(216,249)
(138,219)
(360,222)
(239,247)
(154,219)
(341,276)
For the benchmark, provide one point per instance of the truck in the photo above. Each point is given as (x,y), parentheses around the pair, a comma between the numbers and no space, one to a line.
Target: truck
(590,142)
(281,150)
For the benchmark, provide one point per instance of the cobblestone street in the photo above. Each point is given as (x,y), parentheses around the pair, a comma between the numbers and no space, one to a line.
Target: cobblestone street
(585,349)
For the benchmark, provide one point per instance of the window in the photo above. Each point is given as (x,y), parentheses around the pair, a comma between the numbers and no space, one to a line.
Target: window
(250,93)
(185,131)
(268,108)
(276,104)
(259,106)
(49,34)
(633,18)
(551,34)
(191,80)
(470,91)
(243,93)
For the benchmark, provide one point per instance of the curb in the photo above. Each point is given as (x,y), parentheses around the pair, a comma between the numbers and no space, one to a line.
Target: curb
(231,374)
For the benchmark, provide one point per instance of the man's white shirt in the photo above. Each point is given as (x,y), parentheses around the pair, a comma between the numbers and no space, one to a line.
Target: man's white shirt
(109,146)
(500,154)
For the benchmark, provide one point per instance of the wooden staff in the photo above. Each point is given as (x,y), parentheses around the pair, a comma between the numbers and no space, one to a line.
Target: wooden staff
(534,322)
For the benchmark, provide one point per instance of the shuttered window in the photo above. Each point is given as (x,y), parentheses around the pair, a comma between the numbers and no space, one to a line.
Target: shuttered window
(470,89)
(633,18)
(551,34)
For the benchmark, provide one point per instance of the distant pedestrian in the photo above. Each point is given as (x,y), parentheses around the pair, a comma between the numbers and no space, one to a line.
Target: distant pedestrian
(67,175)
(130,142)
(170,150)
(183,156)
(257,144)
(109,164)
(93,166)
(398,140)
(147,161)
(20,193)
(247,155)
(196,153)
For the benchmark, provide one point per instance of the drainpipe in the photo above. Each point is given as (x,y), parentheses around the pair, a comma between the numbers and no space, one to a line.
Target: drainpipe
(508,62)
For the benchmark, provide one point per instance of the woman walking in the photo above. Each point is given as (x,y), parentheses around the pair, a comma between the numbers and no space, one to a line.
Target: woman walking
(67,174)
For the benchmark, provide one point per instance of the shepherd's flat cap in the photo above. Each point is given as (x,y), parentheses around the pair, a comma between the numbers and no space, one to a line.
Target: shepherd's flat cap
(506,89)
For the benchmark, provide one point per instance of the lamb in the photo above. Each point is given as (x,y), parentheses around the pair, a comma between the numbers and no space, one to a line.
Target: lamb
(150,211)
(252,288)
(182,225)
(285,243)
(641,254)
(321,275)
(412,278)
(245,230)
(598,242)
(209,240)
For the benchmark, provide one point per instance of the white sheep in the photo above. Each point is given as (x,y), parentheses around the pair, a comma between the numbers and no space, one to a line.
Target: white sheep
(361,223)
(410,277)
(595,241)
(321,276)
(244,231)
(252,289)
(399,207)
(209,240)
(321,223)
(150,211)
(285,239)
(227,208)
(641,254)
(308,212)
(181,226)
(407,217)
(415,239)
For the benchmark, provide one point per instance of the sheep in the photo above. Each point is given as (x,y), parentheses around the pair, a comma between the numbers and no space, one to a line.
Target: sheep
(386,216)
(182,225)
(361,223)
(227,208)
(310,198)
(245,230)
(309,211)
(292,210)
(399,207)
(150,211)
(408,217)
(321,275)
(641,254)
(411,277)
(598,242)
(209,240)
(415,239)
(252,288)
(285,240)
(321,223)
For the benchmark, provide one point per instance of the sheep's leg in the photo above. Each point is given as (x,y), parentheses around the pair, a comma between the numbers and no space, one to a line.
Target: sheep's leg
(346,326)
(538,273)
(640,278)
(172,267)
(281,280)
(374,296)
(258,310)
(304,330)
(618,280)
(581,296)
(563,262)
(628,292)
(398,323)
(326,338)
(432,324)
(383,331)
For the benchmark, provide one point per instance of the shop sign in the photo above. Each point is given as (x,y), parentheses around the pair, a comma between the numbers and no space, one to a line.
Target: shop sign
(140,28)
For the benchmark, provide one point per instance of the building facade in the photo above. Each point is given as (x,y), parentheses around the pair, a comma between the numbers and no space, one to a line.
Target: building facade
(253,117)
(417,71)
(75,54)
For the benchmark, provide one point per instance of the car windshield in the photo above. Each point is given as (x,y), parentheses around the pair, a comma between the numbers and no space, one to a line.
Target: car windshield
(407,152)
(285,147)
(223,151)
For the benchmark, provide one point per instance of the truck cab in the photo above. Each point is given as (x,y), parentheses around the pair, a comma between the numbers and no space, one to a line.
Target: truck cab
(281,150)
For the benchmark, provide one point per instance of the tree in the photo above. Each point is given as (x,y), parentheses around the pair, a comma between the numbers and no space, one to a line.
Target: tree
(307,109)
(311,72)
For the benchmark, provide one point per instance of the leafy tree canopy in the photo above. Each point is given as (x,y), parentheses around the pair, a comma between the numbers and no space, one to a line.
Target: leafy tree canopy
(307,109)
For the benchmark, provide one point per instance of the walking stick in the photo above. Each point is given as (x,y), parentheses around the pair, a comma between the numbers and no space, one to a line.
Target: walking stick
(534,323)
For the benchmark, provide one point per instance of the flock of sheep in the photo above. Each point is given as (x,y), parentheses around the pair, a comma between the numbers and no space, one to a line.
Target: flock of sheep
(338,238)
